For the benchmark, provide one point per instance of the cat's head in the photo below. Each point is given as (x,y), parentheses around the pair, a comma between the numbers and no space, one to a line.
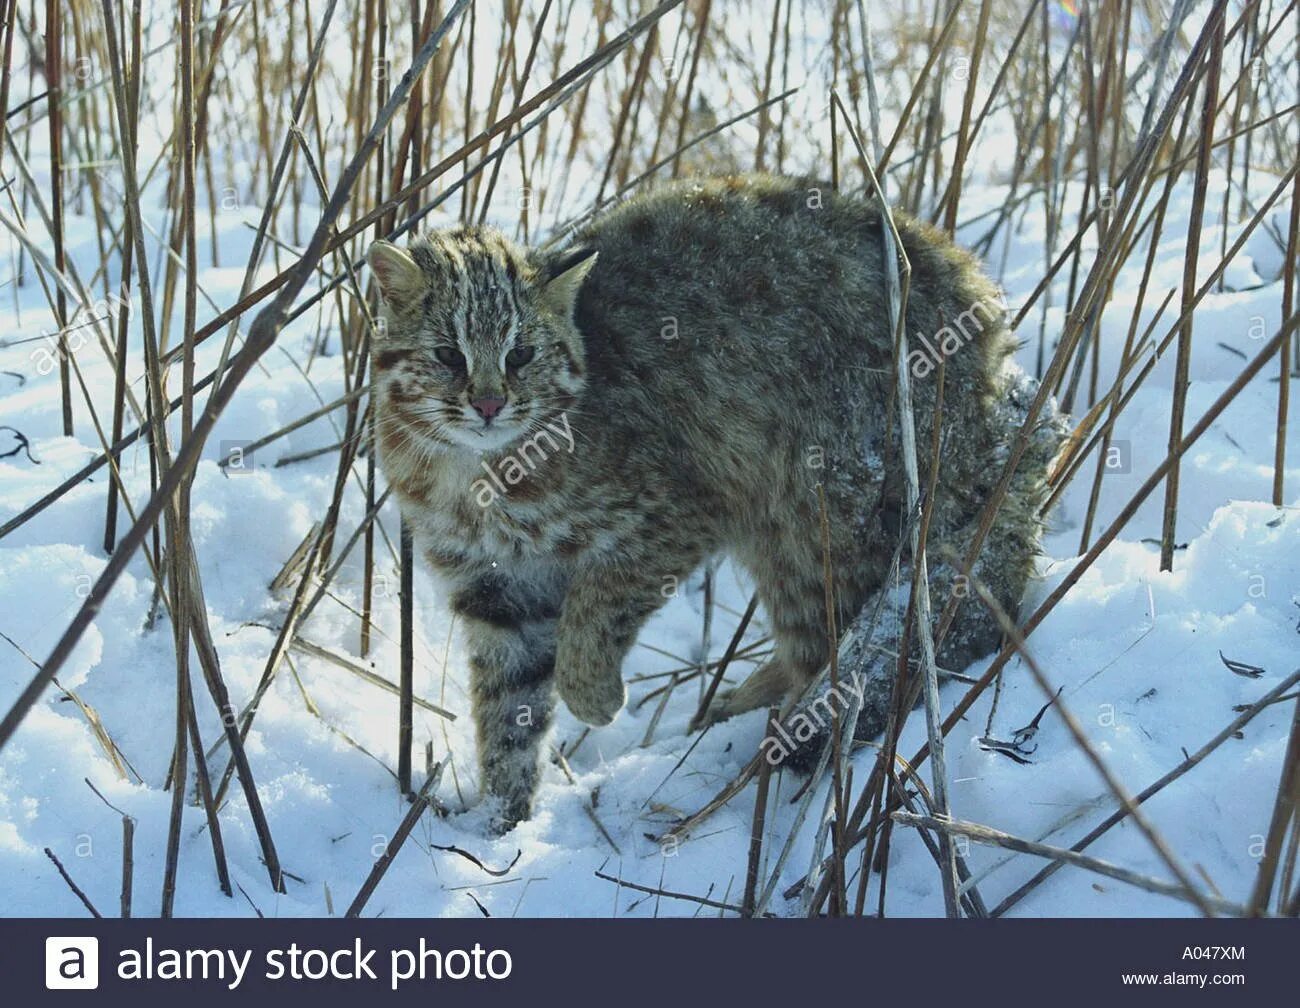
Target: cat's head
(477,345)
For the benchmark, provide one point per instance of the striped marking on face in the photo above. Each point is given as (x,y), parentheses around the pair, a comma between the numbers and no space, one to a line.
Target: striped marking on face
(491,302)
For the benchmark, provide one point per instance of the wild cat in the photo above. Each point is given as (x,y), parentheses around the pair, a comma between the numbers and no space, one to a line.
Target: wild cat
(569,432)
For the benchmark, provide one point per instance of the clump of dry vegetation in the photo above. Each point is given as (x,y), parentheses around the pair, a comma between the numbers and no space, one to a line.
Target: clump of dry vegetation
(351,120)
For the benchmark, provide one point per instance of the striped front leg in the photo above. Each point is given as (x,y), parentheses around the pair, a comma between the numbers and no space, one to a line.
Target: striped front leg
(510,626)
(604,610)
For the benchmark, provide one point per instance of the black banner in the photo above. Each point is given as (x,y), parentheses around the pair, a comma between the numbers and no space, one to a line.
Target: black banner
(645,962)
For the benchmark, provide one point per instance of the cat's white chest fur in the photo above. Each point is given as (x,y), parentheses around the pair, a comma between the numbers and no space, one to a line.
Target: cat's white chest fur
(472,512)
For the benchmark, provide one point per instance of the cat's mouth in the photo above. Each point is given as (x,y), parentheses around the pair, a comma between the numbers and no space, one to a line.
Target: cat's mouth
(479,430)
(482,435)
(443,427)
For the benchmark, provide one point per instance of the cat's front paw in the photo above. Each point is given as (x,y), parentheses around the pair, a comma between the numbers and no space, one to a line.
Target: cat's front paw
(594,702)
(505,812)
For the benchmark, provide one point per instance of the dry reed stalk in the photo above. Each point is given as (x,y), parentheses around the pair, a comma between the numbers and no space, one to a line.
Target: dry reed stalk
(1128,352)
(520,84)
(281,163)
(1286,806)
(54,101)
(76,890)
(963,128)
(697,50)
(419,803)
(904,693)
(9,25)
(839,798)
(406,682)
(633,89)
(1289,275)
(764,123)
(898,275)
(1063,475)
(757,829)
(1060,856)
(972,901)
(1182,365)
(623,883)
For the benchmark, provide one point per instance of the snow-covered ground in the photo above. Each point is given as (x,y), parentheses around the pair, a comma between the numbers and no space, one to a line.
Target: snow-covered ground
(1136,650)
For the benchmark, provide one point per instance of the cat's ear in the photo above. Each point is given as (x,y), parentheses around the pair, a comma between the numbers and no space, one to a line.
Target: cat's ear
(397,274)
(562,277)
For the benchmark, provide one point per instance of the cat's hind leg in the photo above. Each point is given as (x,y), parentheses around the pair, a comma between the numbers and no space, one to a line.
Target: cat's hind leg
(791,588)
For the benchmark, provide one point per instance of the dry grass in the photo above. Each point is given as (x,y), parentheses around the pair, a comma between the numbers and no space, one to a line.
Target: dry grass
(555,109)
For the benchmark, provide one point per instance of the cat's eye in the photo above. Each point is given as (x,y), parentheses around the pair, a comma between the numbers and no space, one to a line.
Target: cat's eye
(450,357)
(519,356)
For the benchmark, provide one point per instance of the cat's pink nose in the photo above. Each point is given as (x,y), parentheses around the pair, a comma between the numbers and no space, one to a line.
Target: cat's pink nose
(488,406)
